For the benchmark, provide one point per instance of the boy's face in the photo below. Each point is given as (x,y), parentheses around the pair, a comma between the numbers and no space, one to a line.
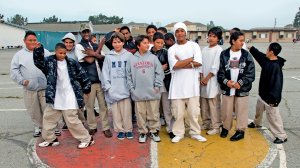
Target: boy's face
(144,46)
(158,44)
(238,44)
(150,33)
(180,34)
(117,44)
(30,42)
(126,34)
(61,54)
(86,34)
(169,42)
(212,39)
(69,44)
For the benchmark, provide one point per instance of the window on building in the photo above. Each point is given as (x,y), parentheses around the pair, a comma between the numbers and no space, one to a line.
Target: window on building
(263,35)
(288,35)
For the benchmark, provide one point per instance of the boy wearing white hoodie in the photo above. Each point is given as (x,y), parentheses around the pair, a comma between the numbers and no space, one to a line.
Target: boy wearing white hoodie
(114,84)
(145,78)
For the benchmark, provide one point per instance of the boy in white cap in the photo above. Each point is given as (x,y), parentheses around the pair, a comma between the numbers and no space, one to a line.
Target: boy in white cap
(185,60)
(69,40)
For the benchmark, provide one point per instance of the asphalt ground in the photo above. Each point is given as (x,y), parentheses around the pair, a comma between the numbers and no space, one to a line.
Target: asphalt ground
(16,129)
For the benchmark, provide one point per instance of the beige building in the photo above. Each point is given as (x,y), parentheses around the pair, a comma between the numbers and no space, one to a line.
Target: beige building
(195,30)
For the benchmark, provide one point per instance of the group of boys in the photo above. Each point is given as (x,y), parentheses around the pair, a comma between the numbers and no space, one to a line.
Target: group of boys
(149,70)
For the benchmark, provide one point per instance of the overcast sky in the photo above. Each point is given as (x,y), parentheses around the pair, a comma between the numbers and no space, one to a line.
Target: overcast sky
(230,13)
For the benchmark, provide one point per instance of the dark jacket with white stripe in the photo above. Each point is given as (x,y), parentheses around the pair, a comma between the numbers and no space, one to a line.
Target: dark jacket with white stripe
(246,75)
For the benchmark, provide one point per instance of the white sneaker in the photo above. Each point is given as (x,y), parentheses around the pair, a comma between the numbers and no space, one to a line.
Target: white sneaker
(199,138)
(142,138)
(83,145)
(37,132)
(155,136)
(46,144)
(176,139)
(213,132)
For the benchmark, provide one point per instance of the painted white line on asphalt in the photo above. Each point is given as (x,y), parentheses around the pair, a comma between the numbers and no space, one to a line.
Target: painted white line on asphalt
(153,154)
(11,88)
(6,83)
(295,77)
(273,150)
(282,156)
(4,110)
(32,155)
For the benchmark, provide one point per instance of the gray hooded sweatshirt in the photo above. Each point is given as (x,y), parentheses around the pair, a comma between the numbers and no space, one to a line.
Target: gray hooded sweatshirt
(23,68)
(144,73)
(114,76)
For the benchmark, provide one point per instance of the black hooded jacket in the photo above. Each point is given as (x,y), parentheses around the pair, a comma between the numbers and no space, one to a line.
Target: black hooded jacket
(271,77)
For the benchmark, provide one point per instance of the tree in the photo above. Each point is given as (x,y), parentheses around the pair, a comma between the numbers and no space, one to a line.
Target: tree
(211,25)
(18,20)
(52,19)
(1,18)
(102,19)
(297,19)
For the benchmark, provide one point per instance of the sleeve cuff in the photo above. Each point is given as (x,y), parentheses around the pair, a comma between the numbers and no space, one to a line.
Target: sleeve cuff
(241,82)
(225,81)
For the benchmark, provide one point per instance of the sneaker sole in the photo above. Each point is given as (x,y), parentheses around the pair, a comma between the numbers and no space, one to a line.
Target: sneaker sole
(50,144)
(200,140)
(129,137)
(121,138)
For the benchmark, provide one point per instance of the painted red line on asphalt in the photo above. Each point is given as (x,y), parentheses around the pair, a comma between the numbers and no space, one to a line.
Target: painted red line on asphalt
(106,152)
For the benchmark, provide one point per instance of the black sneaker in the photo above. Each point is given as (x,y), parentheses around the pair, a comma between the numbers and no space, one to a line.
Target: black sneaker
(252,125)
(171,135)
(239,134)
(224,133)
(65,127)
(279,141)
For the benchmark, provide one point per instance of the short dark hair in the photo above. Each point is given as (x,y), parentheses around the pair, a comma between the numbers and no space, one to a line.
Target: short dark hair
(235,29)
(117,35)
(216,31)
(151,27)
(163,29)
(29,33)
(158,35)
(60,45)
(139,39)
(275,47)
(125,28)
(169,36)
(234,36)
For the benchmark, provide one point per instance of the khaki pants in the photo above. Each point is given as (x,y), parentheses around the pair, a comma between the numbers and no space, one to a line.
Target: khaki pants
(147,113)
(75,126)
(273,116)
(211,117)
(35,103)
(96,92)
(240,106)
(121,112)
(166,106)
(178,108)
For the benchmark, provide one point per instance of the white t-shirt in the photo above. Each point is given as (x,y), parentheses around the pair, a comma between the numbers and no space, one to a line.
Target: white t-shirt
(184,82)
(64,96)
(211,63)
(234,67)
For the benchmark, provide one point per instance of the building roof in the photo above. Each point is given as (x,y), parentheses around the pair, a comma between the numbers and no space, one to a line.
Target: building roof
(186,23)
(75,26)
(273,28)
(14,25)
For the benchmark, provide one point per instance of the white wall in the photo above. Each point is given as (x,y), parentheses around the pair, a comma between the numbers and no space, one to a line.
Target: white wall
(11,36)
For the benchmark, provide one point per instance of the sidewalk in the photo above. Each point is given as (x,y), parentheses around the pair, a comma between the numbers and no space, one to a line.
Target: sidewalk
(111,152)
